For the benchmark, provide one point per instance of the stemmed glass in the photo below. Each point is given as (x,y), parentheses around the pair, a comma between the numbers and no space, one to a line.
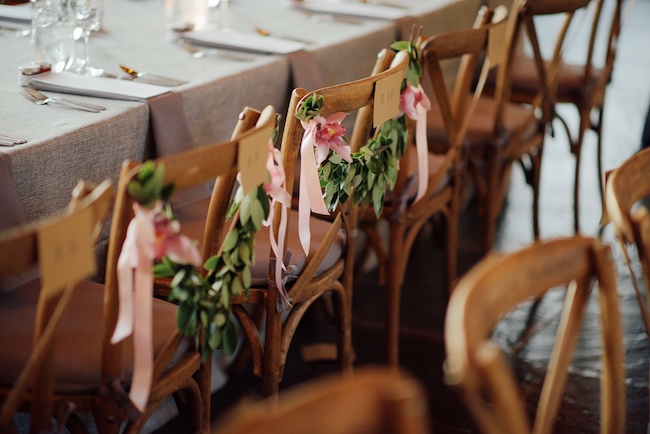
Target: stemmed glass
(222,23)
(87,16)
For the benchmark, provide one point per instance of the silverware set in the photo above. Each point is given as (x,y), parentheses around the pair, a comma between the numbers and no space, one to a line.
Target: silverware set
(35,96)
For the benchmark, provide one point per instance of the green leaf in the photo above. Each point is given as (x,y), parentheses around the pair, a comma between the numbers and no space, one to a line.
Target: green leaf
(178,278)
(220,319)
(211,263)
(335,158)
(245,209)
(231,240)
(400,45)
(246,277)
(214,336)
(230,339)
(257,214)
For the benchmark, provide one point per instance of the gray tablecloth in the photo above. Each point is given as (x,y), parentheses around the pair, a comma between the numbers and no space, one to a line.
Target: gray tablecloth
(67,145)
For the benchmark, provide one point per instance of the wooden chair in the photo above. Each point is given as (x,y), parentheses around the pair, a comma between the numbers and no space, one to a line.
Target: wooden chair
(447,161)
(373,400)
(38,311)
(327,269)
(582,85)
(95,374)
(475,364)
(627,188)
(502,133)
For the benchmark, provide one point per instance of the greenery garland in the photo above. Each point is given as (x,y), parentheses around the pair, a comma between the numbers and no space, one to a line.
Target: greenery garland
(204,309)
(374,167)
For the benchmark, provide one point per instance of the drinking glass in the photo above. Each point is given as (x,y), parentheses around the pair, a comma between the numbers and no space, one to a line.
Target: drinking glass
(52,34)
(87,16)
(222,23)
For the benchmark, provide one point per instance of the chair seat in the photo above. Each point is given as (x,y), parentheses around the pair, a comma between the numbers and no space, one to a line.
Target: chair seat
(192,220)
(78,337)
(571,86)
(480,130)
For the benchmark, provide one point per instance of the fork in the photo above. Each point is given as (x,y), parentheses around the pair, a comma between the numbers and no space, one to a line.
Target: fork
(39,101)
(47,99)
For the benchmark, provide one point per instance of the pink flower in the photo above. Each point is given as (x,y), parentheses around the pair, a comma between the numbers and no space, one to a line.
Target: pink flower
(410,97)
(167,240)
(275,188)
(328,134)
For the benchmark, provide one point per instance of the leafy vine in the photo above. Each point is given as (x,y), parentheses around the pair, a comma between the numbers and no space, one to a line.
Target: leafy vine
(374,167)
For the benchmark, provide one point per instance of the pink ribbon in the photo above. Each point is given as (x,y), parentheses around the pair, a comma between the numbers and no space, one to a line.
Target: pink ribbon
(276,189)
(135,283)
(147,238)
(415,103)
(323,134)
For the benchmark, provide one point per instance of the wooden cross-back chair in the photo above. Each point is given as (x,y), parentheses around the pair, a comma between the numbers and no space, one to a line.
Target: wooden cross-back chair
(178,368)
(447,160)
(35,316)
(330,265)
(93,375)
(476,366)
(582,85)
(374,400)
(502,132)
(626,203)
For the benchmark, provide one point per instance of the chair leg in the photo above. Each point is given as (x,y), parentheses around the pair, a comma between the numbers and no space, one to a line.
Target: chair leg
(272,349)
(599,150)
(395,269)
(536,161)
(577,151)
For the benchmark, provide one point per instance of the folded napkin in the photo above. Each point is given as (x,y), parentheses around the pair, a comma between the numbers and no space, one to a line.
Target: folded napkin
(236,40)
(357,9)
(20,13)
(102,87)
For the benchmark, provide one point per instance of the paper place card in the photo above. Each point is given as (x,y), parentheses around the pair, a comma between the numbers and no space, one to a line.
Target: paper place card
(102,87)
(236,40)
(19,13)
(497,44)
(356,9)
(386,106)
(251,160)
(65,250)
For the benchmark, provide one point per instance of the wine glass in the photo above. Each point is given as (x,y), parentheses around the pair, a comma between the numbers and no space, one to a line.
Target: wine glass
(222,23)
(87,16)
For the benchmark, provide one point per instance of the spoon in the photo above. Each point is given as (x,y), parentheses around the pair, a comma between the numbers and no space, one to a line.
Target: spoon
(265,32)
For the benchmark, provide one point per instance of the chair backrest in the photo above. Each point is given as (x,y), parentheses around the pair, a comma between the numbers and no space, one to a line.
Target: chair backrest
(376,400)
(610,47)
(626,187)
(185,170)
(473,48)
(347,98)
(522,18)
(63,248)
(476,366)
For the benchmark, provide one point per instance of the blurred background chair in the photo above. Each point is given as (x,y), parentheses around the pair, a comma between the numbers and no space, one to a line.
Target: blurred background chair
(374,400)
(582,85)
(626,203)
(447,163)
(35,317)
(476,366)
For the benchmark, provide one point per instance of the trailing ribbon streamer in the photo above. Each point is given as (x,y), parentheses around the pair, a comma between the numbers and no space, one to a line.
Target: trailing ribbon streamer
(135,282)
(148,237)
(276,190)
(415,103)
(323,134)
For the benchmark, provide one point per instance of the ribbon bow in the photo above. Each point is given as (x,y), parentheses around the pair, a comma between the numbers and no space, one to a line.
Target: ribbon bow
(323,134)
(415,103)
(276,190)
(150,235)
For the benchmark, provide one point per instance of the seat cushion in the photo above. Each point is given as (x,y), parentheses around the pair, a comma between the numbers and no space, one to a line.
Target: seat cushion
(571,85)
(78,340)
(192,220)
(481,127)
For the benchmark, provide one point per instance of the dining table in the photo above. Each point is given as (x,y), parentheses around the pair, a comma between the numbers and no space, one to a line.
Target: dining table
(65,145)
